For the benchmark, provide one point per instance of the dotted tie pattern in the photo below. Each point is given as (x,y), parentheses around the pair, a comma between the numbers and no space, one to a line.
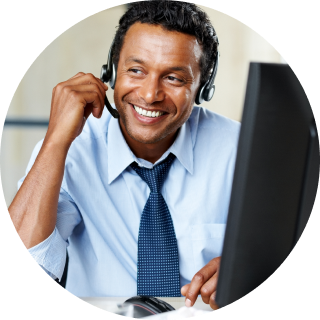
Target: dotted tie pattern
(158,263)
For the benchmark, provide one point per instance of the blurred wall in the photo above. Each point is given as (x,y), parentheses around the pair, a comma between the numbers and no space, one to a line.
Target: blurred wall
(84,47)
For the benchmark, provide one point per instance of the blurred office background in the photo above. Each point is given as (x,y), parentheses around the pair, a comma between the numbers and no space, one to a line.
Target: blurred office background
(84,47)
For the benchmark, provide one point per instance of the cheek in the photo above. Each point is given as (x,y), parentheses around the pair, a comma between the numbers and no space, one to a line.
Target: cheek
(118,89)
(126,89)
(184,102)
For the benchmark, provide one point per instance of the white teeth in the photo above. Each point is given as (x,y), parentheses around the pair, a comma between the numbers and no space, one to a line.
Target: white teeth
(145,113)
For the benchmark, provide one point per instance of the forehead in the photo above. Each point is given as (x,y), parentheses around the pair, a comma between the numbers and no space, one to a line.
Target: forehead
(153,42)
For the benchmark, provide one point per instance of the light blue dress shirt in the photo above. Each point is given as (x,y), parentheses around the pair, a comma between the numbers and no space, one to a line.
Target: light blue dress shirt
(102,199)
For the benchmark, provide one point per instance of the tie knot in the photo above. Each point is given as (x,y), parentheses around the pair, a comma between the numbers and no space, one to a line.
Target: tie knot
(155,177)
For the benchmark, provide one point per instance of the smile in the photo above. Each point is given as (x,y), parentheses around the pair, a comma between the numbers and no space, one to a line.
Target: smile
(149,114)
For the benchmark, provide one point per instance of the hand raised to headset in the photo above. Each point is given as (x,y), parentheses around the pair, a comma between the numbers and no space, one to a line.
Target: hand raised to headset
(204,282)
(72,103)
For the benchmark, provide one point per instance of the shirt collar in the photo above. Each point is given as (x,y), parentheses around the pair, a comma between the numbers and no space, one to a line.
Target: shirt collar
(120,155)
(182,147)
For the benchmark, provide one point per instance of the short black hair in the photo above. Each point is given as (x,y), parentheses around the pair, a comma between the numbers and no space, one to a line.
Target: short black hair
(173,16)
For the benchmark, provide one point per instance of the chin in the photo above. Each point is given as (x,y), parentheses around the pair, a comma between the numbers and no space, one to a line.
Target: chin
(146,138)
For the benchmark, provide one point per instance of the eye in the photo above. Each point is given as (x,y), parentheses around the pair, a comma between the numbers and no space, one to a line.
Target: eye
(174,79)
(136,71)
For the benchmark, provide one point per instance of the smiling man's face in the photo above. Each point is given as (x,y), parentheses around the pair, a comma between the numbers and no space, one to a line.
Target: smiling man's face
(158,77)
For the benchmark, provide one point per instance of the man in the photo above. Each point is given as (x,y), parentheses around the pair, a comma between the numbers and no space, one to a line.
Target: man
(83,191)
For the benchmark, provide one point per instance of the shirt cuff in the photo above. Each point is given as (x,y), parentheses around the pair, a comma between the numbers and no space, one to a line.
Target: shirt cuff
(50,254)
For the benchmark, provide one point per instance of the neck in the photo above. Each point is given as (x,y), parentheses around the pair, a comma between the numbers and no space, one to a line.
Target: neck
(149,151)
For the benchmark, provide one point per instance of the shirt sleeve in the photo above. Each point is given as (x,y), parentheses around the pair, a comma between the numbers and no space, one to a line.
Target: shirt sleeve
(50,254)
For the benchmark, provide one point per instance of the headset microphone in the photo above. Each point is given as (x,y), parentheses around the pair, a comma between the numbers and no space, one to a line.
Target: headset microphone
(109,74)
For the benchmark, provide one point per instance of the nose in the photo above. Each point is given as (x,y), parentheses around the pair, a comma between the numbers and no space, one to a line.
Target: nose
(151,90)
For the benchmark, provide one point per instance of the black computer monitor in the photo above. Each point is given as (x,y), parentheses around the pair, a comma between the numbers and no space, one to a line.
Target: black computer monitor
(275,180)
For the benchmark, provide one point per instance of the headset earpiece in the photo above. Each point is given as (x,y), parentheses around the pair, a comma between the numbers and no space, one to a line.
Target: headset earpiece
(206,91)
(104,77)
(113,78)
(109,74)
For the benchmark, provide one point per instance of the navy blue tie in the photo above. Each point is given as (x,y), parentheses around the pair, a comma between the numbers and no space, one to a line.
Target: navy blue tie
(158,262)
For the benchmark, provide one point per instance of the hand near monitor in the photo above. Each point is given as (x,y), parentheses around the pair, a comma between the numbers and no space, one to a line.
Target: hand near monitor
(204,282)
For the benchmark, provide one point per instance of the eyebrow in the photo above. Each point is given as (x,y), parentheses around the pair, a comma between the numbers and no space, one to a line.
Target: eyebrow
(173,68)
(134,59)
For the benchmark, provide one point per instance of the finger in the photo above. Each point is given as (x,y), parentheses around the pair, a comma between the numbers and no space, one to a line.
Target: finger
(184,289)
(103,94)
(85,99)
(91,79)
(81,79)
(78,75)
(213,303)
(90,88)
(200,278)
(208,288)
(87,111)
(103,87)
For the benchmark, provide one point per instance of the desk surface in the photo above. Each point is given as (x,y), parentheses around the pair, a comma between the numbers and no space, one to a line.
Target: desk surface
(108,303)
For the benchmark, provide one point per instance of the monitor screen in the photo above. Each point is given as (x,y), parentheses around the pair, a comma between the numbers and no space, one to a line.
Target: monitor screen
(275,180)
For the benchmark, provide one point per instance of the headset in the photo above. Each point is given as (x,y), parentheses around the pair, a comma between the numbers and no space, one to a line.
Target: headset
(109,74)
